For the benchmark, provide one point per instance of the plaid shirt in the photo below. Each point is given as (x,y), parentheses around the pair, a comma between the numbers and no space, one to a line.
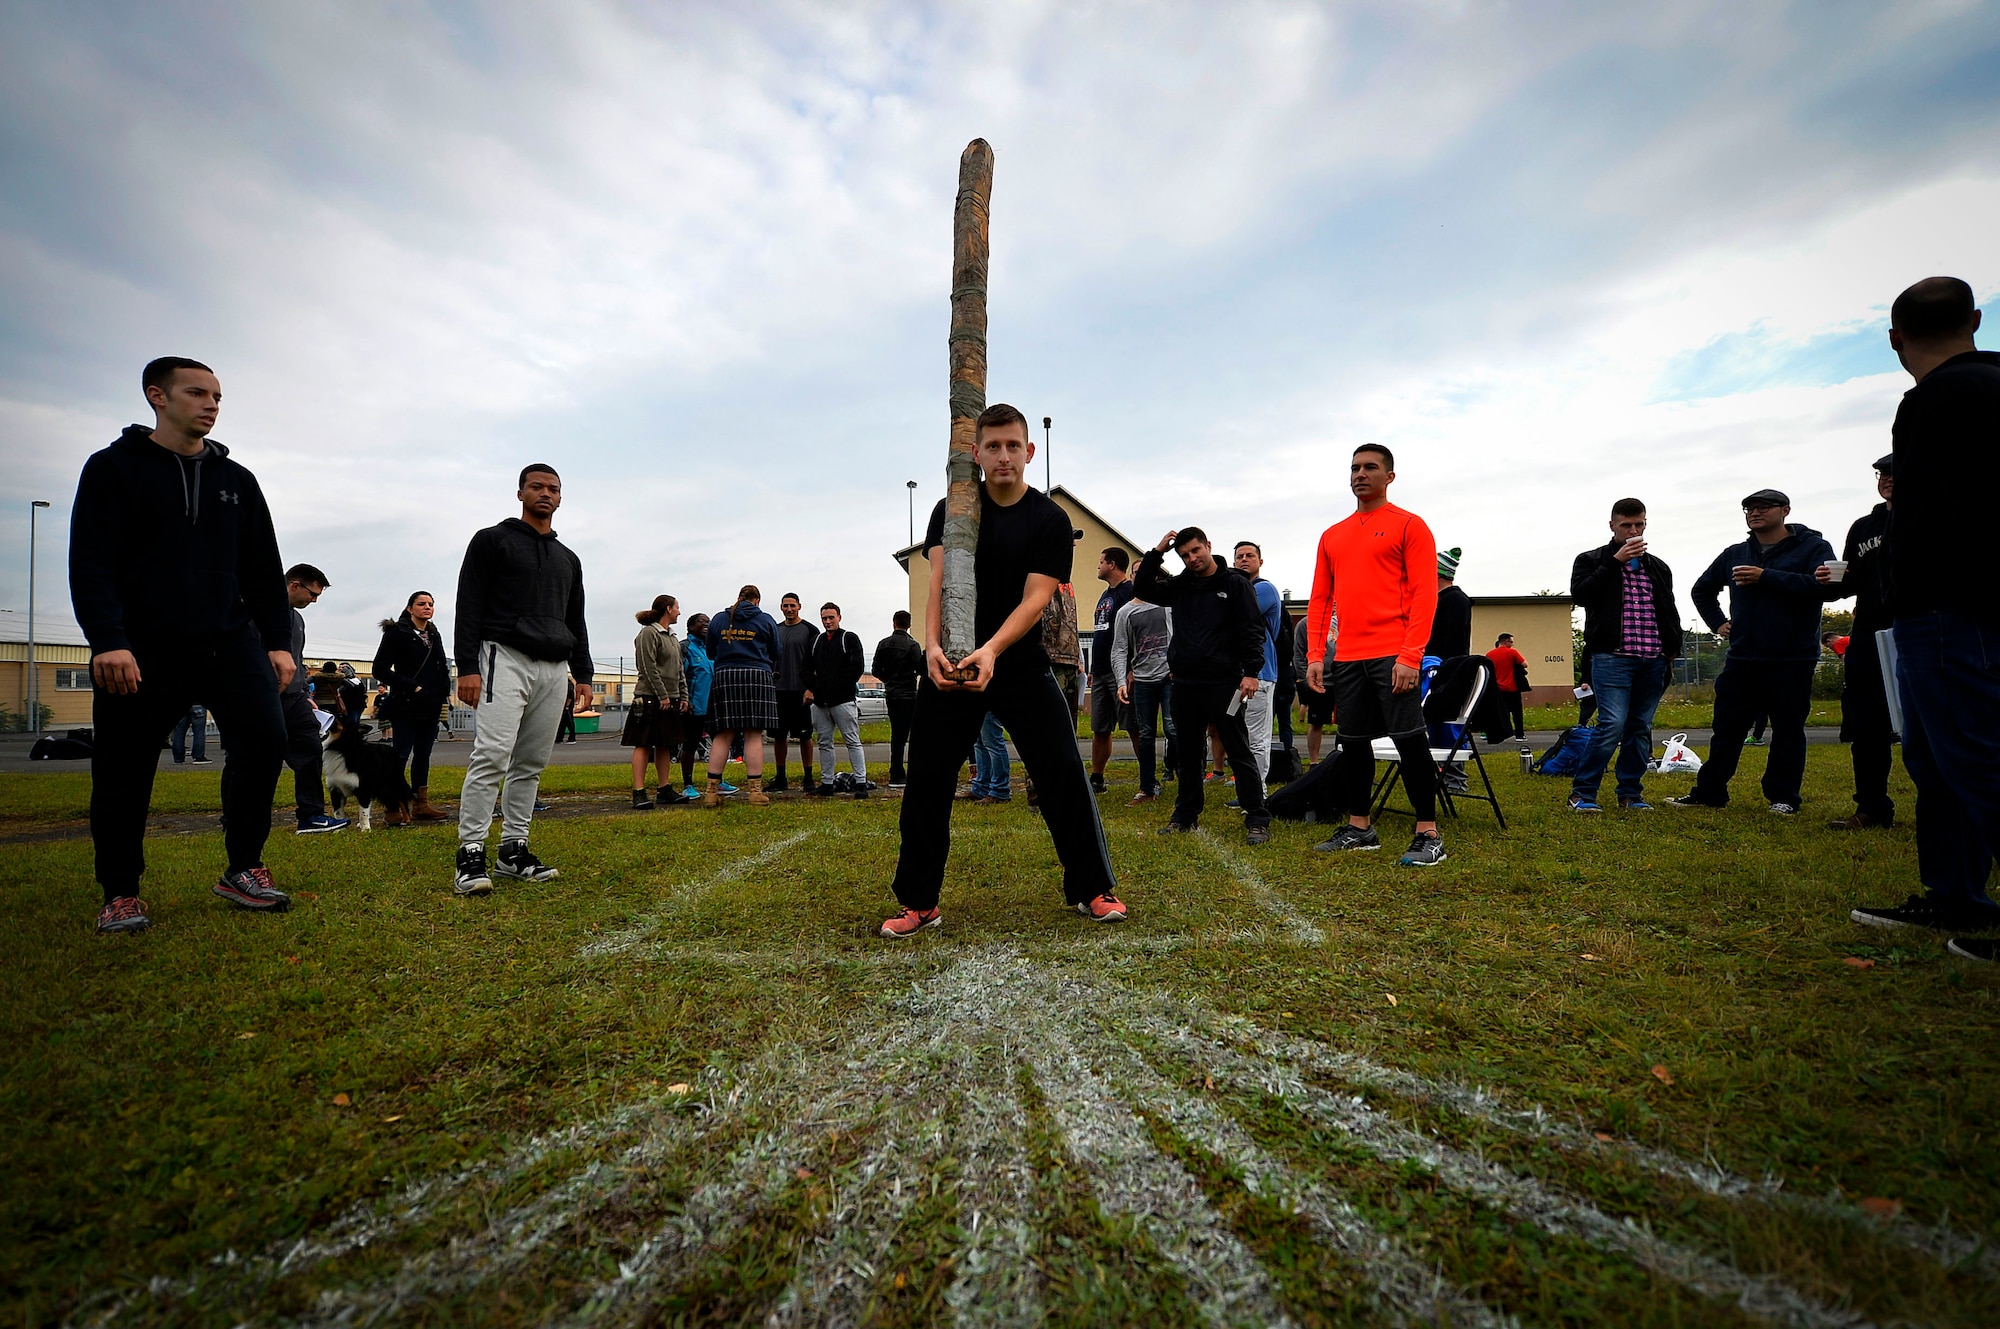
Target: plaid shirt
(1642,629)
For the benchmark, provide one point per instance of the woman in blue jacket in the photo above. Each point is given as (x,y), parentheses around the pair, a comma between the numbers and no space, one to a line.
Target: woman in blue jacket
(700,671)
(744,642)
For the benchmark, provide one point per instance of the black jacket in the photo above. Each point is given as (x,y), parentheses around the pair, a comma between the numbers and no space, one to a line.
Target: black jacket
(1597,583)
(1776,618)
(1219,631)
(417,674)
(522,589)
(166,550)
(1866,556)
(837,665)
(1947,435)
(1451,626)
(899,663)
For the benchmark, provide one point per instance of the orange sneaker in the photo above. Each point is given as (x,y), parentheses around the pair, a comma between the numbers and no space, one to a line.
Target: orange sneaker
(1106,908)
(912,921)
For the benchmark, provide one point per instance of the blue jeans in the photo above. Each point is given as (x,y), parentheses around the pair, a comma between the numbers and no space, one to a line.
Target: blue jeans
(990,773)
(1628,693)
(1948,671)
(1150,713)
(194,722)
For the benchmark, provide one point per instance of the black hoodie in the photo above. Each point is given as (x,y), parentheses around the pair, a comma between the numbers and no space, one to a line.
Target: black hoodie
(168,551)
(1219,632)
(522,589)
(1947,436)
(1776,618)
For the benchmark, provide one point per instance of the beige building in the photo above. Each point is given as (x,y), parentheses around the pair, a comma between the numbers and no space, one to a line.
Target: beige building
(1098,536)
(1541,628)
(64,683)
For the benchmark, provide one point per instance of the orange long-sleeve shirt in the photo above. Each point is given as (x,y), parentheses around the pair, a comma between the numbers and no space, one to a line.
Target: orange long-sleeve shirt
(1380,568)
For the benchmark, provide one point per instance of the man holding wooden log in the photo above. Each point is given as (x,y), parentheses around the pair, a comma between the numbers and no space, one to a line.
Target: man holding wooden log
(1023,553)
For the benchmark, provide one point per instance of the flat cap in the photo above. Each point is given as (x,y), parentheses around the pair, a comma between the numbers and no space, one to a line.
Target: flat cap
(1886,463)
(1768,498)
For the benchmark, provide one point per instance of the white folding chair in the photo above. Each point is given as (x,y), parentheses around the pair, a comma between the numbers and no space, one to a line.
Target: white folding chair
(1463,753)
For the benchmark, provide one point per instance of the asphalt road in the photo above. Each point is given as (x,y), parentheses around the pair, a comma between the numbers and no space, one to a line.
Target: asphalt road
(605,750)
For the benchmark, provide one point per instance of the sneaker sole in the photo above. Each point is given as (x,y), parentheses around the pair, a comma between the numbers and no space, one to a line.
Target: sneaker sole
(1953,947)
(1100,918)
(317,830)
(481,886)
(1868,920)
(1421,862)
(1346,848)
(546,874)
(247,902)
(884,931)
(132,925)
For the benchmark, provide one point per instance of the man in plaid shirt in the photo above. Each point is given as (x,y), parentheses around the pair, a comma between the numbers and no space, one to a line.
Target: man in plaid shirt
(1631,634)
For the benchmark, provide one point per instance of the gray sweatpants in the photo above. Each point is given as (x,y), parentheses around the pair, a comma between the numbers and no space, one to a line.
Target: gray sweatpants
(520,706)
(846,718)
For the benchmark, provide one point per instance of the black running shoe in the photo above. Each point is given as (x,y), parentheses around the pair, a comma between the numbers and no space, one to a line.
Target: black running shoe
(1174,828)
(1690,801)
(1425,851)
(1973,948)
(1919,911)
(515,861)
(251,888)
(1257,834)
(640,803)
(471,878)
(1350,836)
(1097,783)
(777,786)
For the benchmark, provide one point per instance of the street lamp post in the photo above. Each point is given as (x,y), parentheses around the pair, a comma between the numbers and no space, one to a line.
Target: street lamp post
(911,485)
(1048,457)
(34,674)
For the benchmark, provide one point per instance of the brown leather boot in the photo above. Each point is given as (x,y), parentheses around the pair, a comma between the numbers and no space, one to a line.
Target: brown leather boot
(711,793)
(756,798)
(423,811)
(395,814)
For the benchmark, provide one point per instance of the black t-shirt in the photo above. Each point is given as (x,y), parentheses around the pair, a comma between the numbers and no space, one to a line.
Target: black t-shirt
(1109,603)
(1031,536)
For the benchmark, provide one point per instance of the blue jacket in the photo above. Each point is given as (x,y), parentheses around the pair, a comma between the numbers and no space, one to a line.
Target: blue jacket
(700,672)
(1777,618)
(743,637)
(1272,606)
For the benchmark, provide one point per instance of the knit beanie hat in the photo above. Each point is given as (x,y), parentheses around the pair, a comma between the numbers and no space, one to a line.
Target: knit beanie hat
(1448,564)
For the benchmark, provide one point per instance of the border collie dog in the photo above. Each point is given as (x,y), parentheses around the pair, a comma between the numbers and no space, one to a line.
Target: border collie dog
(368,771)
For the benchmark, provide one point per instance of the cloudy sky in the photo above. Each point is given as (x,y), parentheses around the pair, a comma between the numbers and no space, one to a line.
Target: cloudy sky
(697,256)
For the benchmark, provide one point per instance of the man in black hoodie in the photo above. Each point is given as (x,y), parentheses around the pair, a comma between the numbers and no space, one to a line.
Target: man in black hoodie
(837,666)
(899,662)
(520,639)
(175,578)
(1773,633)
(1215,657)
(1946,605)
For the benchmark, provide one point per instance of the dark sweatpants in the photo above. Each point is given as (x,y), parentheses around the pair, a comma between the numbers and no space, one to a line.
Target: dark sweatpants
(1196,706)
(1746,689)
(304,753)
(233,679)
(1038,720)
(900,711)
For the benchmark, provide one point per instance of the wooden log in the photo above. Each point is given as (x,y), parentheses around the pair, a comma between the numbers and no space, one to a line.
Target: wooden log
(968,398)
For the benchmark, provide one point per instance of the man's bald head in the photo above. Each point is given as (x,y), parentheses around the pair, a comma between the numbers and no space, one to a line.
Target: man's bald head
(1935,309)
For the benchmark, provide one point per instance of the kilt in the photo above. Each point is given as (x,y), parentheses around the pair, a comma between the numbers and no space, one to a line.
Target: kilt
(743,698)
(650,725)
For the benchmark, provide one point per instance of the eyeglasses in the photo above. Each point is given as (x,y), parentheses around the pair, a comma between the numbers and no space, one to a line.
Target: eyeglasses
(1760,507)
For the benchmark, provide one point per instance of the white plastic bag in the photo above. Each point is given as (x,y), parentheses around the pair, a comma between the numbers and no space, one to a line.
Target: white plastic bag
(1678,757)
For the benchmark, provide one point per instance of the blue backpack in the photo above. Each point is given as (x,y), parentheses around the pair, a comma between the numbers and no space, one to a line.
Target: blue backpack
(1566,753)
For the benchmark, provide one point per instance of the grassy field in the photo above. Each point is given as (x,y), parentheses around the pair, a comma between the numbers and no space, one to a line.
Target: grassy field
(1632,1069)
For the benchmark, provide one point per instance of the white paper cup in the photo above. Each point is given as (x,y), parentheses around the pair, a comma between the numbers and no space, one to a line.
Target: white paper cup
(1835,568)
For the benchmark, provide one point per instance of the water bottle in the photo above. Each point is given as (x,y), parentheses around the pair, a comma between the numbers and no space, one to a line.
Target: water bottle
(1527,761)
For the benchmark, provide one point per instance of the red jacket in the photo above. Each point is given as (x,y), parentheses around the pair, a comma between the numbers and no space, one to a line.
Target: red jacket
(1505,661)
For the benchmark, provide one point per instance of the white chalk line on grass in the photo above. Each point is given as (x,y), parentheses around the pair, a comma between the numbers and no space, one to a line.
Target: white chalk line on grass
(628,938)
(1302,929)
(1940,1243)
(1523,1196)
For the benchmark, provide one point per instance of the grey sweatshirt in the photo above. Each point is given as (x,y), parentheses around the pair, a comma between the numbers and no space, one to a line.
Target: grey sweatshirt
(1140,636)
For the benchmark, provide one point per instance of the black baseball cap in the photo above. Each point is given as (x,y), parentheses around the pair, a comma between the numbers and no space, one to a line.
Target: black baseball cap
(1767,498)
(1886,463)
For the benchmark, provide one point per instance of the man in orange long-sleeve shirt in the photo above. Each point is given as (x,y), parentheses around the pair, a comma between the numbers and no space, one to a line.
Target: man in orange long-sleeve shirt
(1380,568)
